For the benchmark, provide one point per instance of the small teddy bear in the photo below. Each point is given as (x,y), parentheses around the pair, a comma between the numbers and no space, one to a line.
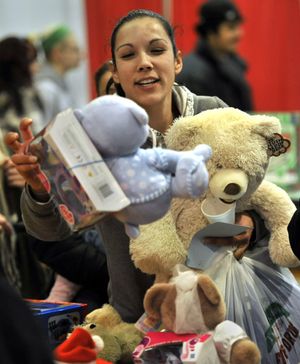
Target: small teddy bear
(150,178)
(191,302)
(120,338)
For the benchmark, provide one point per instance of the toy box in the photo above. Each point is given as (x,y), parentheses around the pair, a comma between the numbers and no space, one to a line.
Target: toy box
(167,347)
(57,318)
(160,347)
(74,171)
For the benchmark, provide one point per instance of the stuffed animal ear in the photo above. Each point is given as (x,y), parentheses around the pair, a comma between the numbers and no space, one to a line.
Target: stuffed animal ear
(209,288)
(78,114)
(265,125)
(154,298)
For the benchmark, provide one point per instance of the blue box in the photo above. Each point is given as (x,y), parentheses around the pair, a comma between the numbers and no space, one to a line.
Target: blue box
(57,318)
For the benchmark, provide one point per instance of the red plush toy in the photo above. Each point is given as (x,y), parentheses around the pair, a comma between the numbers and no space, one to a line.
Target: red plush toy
(80,348)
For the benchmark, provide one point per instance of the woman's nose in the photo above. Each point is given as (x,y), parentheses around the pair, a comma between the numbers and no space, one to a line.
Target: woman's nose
(144,63)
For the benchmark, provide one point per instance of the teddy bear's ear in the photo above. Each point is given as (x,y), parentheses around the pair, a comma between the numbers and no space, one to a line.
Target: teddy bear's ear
(154,298)
(78,114)
(265,125)
(209,288)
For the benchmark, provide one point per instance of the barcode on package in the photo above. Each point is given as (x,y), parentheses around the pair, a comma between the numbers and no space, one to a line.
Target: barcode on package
(105,190)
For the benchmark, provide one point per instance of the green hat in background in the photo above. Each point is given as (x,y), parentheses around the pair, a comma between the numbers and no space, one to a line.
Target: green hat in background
(55,35)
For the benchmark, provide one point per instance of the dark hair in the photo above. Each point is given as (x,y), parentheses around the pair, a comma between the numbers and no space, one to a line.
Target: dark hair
(215,12)
(98,75)
(132,15)
(16,55)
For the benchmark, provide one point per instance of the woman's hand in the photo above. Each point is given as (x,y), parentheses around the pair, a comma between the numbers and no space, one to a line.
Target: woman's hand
(27,165)
(13,177)
(241,241)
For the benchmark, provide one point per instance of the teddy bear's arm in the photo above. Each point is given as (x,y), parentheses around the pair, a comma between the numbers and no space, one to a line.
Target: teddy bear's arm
(276,208)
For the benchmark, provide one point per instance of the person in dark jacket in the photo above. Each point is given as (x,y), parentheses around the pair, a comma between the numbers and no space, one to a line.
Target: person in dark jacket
(294,232)
(214,68)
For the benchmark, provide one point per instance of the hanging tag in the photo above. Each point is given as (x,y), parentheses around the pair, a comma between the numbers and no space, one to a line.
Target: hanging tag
(277,145)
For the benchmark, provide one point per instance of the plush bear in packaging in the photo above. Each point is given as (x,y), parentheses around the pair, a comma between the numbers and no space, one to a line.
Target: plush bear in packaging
(150,178)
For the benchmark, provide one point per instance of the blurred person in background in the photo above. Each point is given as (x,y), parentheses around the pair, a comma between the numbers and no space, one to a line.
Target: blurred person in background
(103,80)
(214,67)
(18,98)
(62,54)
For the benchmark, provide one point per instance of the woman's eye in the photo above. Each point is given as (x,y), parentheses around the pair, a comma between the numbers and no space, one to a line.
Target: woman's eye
(157,50)
(127,55)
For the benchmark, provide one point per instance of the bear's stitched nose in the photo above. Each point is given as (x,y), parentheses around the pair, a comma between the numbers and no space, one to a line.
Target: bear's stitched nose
(232,189)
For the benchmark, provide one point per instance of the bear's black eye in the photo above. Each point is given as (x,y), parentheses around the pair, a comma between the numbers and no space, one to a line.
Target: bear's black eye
(92,326)
(219,166)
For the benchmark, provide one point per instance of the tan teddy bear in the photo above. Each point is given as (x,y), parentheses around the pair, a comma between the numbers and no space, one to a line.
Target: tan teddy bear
(266,303)
(242,145)
(190,303)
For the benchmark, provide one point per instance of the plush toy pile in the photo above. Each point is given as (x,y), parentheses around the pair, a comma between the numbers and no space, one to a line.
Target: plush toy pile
(241,147)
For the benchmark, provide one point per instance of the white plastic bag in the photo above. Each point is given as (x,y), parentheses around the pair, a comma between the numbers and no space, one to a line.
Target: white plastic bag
(264,301)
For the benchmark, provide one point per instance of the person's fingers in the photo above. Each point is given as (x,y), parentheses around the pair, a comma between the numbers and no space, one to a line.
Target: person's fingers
(20,159)
(224,241)
(11,139)
(25,130)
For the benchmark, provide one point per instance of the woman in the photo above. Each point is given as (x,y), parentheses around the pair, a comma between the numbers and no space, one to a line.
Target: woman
(145,63)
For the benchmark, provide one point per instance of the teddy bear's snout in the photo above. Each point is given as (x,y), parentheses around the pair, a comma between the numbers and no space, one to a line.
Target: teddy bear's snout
(232,189)
(229,184)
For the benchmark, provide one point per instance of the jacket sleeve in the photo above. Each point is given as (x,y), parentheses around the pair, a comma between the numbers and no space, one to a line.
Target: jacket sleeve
(43,220)
(294,233)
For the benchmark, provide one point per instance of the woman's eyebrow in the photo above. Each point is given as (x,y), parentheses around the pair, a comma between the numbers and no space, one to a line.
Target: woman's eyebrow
(124,45)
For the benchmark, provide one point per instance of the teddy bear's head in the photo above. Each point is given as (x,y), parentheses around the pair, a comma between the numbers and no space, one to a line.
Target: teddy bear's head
(240,144)
(116,125)
(120,338)
(190,302)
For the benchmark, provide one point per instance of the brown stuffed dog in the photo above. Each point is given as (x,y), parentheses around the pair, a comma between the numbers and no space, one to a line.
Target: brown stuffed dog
(191,302)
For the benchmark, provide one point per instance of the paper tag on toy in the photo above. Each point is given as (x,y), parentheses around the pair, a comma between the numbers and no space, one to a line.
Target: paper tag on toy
(201,255)
(277,145)
(147,324)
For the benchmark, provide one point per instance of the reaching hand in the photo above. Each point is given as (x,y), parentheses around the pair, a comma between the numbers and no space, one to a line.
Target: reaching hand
(241,241)
(27,165)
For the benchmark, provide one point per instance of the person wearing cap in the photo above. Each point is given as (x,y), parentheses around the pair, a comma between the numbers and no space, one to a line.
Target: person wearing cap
(62,54)
(214,68)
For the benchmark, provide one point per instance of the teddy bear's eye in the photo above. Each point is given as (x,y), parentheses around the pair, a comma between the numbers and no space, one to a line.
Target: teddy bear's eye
(219,166)
(92,326)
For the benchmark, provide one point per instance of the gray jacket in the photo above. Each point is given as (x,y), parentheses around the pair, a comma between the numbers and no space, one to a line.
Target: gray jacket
(127,283)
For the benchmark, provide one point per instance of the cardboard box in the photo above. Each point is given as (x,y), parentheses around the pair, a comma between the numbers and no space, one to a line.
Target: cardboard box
(74,171)
(56,319)
(160,347)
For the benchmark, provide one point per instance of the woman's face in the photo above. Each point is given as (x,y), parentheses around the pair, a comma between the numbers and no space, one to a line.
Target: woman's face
(145,63)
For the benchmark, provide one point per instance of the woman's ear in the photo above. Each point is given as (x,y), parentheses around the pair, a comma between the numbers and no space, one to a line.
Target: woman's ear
(178,63)
(114,72)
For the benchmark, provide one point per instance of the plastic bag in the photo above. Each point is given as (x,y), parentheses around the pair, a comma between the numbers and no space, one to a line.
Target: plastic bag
(264,301)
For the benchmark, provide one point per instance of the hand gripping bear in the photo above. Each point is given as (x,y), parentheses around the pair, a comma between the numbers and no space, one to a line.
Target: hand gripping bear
(150,178)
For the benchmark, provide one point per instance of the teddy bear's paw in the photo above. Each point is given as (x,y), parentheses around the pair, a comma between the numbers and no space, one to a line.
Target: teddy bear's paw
(280,250)
(245,351)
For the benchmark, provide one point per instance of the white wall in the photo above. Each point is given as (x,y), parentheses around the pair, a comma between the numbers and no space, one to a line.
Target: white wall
(23,17)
